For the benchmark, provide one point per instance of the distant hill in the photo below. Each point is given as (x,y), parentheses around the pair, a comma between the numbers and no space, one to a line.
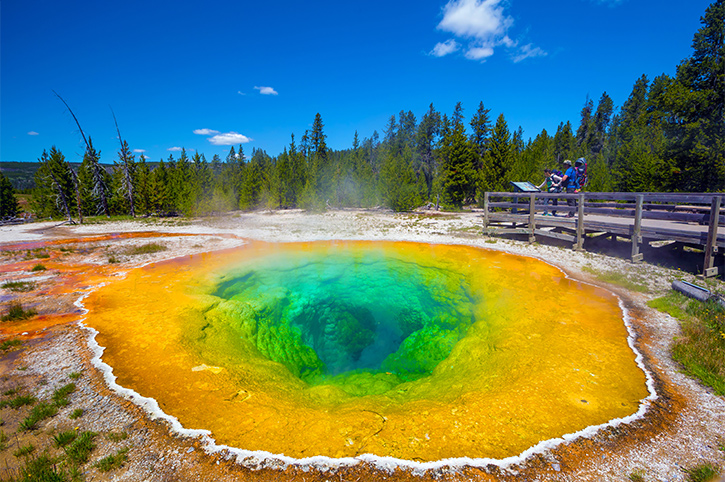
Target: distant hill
(22,174)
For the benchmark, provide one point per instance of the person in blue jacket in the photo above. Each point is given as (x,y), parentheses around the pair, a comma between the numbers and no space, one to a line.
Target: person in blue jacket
(569,182)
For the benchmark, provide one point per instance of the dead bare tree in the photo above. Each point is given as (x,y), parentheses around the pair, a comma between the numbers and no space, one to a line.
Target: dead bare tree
(100,188)
(127,184)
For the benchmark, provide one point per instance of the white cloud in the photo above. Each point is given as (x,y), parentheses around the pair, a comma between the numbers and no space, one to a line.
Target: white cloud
(139,151)
(528,51)
(266,90)
(480,19)
(229,139)
(206,132)
(174,149)
(33,133)
(240,92)
(484,24)
(445,48)
(479,53)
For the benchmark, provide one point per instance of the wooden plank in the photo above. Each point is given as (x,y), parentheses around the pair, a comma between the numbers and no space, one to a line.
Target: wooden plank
(580,224)
(485,209)
(712,236)
(637,230)
(532,217)
(553,234)
(497,231)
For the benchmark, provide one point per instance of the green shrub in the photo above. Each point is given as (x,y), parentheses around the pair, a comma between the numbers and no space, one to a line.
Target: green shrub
(8,344)
(701,347)
(64,438)
(77,413)
(148,248)
(38,267)
(60,396)
(17,402)
(39,413)
(24,451)
(42,469)
(702,473)
(111,462)
(16,313)
(79,451)
(19,286)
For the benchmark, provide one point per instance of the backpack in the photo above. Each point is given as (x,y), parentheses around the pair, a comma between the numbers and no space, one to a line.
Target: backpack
(581,173)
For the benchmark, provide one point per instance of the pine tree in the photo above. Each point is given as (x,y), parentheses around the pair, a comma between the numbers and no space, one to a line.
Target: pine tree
(426,139)
(53,194)
(499,156)
(698,107)
(9,207)
(457,169)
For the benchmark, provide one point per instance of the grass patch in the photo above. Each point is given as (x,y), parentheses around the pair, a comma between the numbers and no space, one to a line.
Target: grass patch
(8,344)
(24,451)
(77,413)
(81,448)
(41,469)
(637,476)
(19,286)
(619,279)
(116,436)
(3,441)
(64,438)
(111,462)
(17,402)
(39,413)
(16,312)
(38,267)
(74,375)
(148,248)
(60,396)
(702,473)
(701,347)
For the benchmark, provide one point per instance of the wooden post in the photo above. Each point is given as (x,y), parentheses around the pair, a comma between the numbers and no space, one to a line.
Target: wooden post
(580,224)
(711,248)
(485,212)
(532,214)
(637,230)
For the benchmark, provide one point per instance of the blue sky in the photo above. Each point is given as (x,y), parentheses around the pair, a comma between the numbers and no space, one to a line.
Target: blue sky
(202,75)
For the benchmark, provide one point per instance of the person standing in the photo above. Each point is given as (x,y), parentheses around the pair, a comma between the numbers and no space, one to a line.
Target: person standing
(550,184)
(569,182)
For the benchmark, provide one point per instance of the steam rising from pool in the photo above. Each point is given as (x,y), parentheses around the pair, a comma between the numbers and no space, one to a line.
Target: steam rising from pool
(419,352)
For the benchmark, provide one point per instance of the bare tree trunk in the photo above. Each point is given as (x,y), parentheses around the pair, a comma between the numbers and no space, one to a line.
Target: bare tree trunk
(61,196)
(127,181)
(99,186)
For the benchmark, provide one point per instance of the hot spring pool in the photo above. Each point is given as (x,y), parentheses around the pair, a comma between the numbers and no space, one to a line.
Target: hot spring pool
(414,351)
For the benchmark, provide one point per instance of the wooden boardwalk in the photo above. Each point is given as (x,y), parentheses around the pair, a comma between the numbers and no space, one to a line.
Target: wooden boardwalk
(693,219)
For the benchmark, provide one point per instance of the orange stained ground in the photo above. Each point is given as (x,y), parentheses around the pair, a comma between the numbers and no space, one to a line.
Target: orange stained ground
(548,356)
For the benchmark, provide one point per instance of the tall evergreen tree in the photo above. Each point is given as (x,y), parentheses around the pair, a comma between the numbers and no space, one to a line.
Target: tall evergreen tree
(425,140)
(458,178)
(9,207)
(698,107)
(53,194)
(499,156)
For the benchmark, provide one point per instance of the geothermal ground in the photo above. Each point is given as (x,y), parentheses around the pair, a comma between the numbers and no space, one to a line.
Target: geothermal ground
(681,428)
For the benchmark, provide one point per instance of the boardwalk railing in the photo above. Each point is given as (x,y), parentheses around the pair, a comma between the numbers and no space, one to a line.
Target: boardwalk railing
(694,219)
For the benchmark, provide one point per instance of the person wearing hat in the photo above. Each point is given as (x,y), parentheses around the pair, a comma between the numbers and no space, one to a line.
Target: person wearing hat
(568,182)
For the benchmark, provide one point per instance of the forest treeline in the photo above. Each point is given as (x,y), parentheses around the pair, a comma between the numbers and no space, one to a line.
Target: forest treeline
(669,135)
